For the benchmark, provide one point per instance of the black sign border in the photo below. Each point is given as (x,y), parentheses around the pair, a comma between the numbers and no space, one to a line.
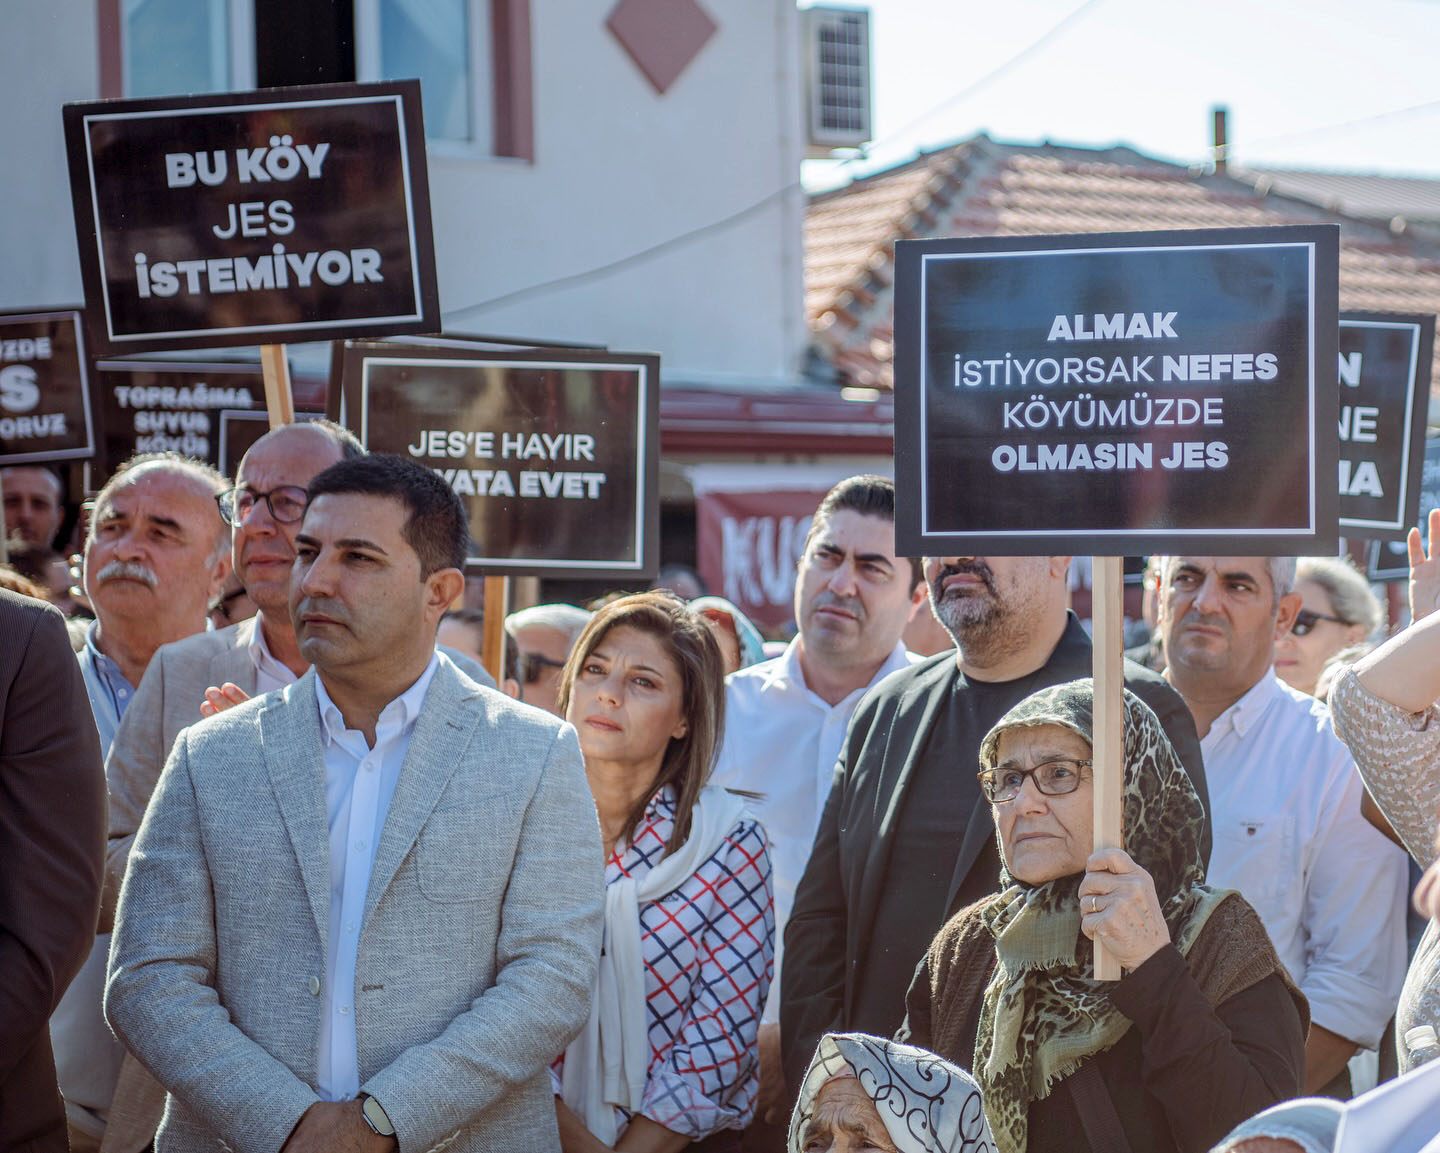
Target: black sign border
(1422,353)
(87,228)
(1321,538)
(1374,569)
(357,356)
(77,316)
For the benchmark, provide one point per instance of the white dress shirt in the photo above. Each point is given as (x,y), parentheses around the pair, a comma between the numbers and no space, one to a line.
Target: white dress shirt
(359,784)
(1331,890)
(270,672)
(782,741)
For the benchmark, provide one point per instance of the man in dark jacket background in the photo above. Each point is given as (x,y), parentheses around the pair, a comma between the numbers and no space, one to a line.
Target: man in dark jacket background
(906,838)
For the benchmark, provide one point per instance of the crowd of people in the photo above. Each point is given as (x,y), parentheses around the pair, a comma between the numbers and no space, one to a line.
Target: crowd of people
(286,869)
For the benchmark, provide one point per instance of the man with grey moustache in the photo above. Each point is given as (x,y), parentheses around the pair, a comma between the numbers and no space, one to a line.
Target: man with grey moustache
(157,552)
(906,838)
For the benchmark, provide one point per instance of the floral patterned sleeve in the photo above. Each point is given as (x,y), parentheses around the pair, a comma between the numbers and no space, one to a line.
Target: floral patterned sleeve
(1398,754)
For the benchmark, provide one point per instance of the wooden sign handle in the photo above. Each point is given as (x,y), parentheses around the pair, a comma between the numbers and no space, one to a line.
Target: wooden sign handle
(497,608)
(1108,616)
(279,400)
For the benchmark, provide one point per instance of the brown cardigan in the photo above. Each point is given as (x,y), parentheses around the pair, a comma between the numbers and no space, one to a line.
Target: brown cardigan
(1218,1036)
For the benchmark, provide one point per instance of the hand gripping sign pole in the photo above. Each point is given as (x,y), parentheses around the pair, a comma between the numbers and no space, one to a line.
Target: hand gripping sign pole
(1109,746)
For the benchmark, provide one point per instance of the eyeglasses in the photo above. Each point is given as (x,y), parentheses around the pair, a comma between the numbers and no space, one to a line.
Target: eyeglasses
(1305,620)
(533,664)
(286,503)
(1053,778)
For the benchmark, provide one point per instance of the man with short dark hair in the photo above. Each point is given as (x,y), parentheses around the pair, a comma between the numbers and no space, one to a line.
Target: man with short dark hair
(1285,804)
(785,718)
(906,838)
(422,938)
(34,509)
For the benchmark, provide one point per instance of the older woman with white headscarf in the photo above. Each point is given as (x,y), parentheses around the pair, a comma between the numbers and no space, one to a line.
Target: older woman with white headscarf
(867,1093)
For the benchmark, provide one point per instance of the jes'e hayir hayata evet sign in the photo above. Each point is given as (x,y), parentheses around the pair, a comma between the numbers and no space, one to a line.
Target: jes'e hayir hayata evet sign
(253,218)
(1116,394)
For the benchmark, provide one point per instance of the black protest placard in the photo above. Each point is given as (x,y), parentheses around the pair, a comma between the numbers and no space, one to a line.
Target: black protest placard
(44,387)
(1390,560)
(253,218)
(1384,400)
(555,453)
(165,406)
(1119,393)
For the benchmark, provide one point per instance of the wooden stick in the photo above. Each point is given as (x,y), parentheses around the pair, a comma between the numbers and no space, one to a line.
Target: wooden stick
(4,531)
(1108,614)
(279,400)
(497,608)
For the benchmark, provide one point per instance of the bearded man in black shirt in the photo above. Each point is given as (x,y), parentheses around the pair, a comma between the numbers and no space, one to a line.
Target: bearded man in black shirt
(906,838)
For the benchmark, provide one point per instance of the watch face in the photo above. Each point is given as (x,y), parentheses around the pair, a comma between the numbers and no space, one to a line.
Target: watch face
(375,1115)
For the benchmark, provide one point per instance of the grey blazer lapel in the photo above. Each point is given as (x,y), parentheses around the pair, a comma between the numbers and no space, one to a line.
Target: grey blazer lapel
(447,719)
(233,663)
(294,757)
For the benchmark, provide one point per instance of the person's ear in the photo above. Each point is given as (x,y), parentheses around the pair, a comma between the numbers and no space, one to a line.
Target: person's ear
(1059,566)
(1285,614)
(219,573)
(443,588)
(682,726)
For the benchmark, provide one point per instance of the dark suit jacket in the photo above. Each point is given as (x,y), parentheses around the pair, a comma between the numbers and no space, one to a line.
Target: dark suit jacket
(835,905)
(52,853)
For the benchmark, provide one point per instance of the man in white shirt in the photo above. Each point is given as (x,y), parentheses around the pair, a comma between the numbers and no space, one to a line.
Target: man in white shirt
(1285,804)
(363,912)
(785,719)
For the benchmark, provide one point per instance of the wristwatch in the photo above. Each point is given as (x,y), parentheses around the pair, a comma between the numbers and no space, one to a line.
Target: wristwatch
(375,1116)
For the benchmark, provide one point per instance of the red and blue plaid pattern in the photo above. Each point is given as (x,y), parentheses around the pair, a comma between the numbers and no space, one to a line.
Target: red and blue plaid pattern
(708,949)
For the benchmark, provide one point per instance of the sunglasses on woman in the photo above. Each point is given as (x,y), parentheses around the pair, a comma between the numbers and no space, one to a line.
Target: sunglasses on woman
(1305,621)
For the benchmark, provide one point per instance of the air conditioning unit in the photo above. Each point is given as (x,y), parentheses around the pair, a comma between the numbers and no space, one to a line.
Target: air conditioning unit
(837,77)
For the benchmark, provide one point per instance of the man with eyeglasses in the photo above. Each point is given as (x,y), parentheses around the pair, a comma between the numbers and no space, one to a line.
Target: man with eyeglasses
(1285,805)
(907,838)
(543,636)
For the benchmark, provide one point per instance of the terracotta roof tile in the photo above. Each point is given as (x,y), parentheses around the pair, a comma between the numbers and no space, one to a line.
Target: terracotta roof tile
(981,187)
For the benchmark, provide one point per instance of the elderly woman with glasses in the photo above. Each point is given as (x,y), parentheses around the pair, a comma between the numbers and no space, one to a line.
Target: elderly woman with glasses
(1204,1029)
(1337,612)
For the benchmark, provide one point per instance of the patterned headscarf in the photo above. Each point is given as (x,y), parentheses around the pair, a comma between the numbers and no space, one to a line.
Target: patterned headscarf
(926,1104)
(1043,1012)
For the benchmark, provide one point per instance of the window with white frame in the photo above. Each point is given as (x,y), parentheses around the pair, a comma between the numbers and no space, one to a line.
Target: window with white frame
(175,46)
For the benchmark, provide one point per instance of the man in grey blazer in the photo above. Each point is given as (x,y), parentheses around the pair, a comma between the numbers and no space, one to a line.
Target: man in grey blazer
(365,910)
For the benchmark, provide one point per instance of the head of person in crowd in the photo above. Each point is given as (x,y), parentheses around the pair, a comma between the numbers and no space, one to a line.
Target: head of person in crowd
(1006,614)
(264,510)
(379,558)
(1337,610)
(644,687)
(156,555)
(464,631)
(34,503)
(741,644)
(680,579)
(852,593)
(924,635)
(1036,770)
(48,569)
(544,636)
(233,605)
(17,582)
(1220,618)
(866,1094)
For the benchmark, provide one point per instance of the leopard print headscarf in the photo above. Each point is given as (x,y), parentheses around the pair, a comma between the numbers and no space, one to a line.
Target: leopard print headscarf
(1043,1012)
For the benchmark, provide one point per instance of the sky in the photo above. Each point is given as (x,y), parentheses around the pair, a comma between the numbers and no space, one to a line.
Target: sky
(1339,84)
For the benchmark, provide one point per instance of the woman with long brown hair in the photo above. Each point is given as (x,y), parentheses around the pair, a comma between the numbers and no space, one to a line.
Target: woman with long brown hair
(668,1056)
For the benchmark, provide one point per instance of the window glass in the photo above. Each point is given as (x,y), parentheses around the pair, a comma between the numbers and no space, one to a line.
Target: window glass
(430,39)
(173,47)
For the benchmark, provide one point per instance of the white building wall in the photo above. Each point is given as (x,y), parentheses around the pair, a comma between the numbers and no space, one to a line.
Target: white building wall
(618,169)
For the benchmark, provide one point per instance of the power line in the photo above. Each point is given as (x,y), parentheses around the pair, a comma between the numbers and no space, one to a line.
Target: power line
(683,238)
(1327,128)
(634,258)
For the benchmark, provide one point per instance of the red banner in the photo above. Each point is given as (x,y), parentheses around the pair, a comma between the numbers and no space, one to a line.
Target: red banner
(749,544)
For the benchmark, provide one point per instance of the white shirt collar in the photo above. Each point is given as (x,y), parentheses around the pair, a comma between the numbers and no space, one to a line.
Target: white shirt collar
(398,716)
(787,671)
(1245,713)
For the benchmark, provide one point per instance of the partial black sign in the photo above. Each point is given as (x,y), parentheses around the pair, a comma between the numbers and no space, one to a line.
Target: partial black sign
(1390,560)
(555,454)
(253,218)
(164,406)
(1384,400)
(1120,393)
(44,388)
